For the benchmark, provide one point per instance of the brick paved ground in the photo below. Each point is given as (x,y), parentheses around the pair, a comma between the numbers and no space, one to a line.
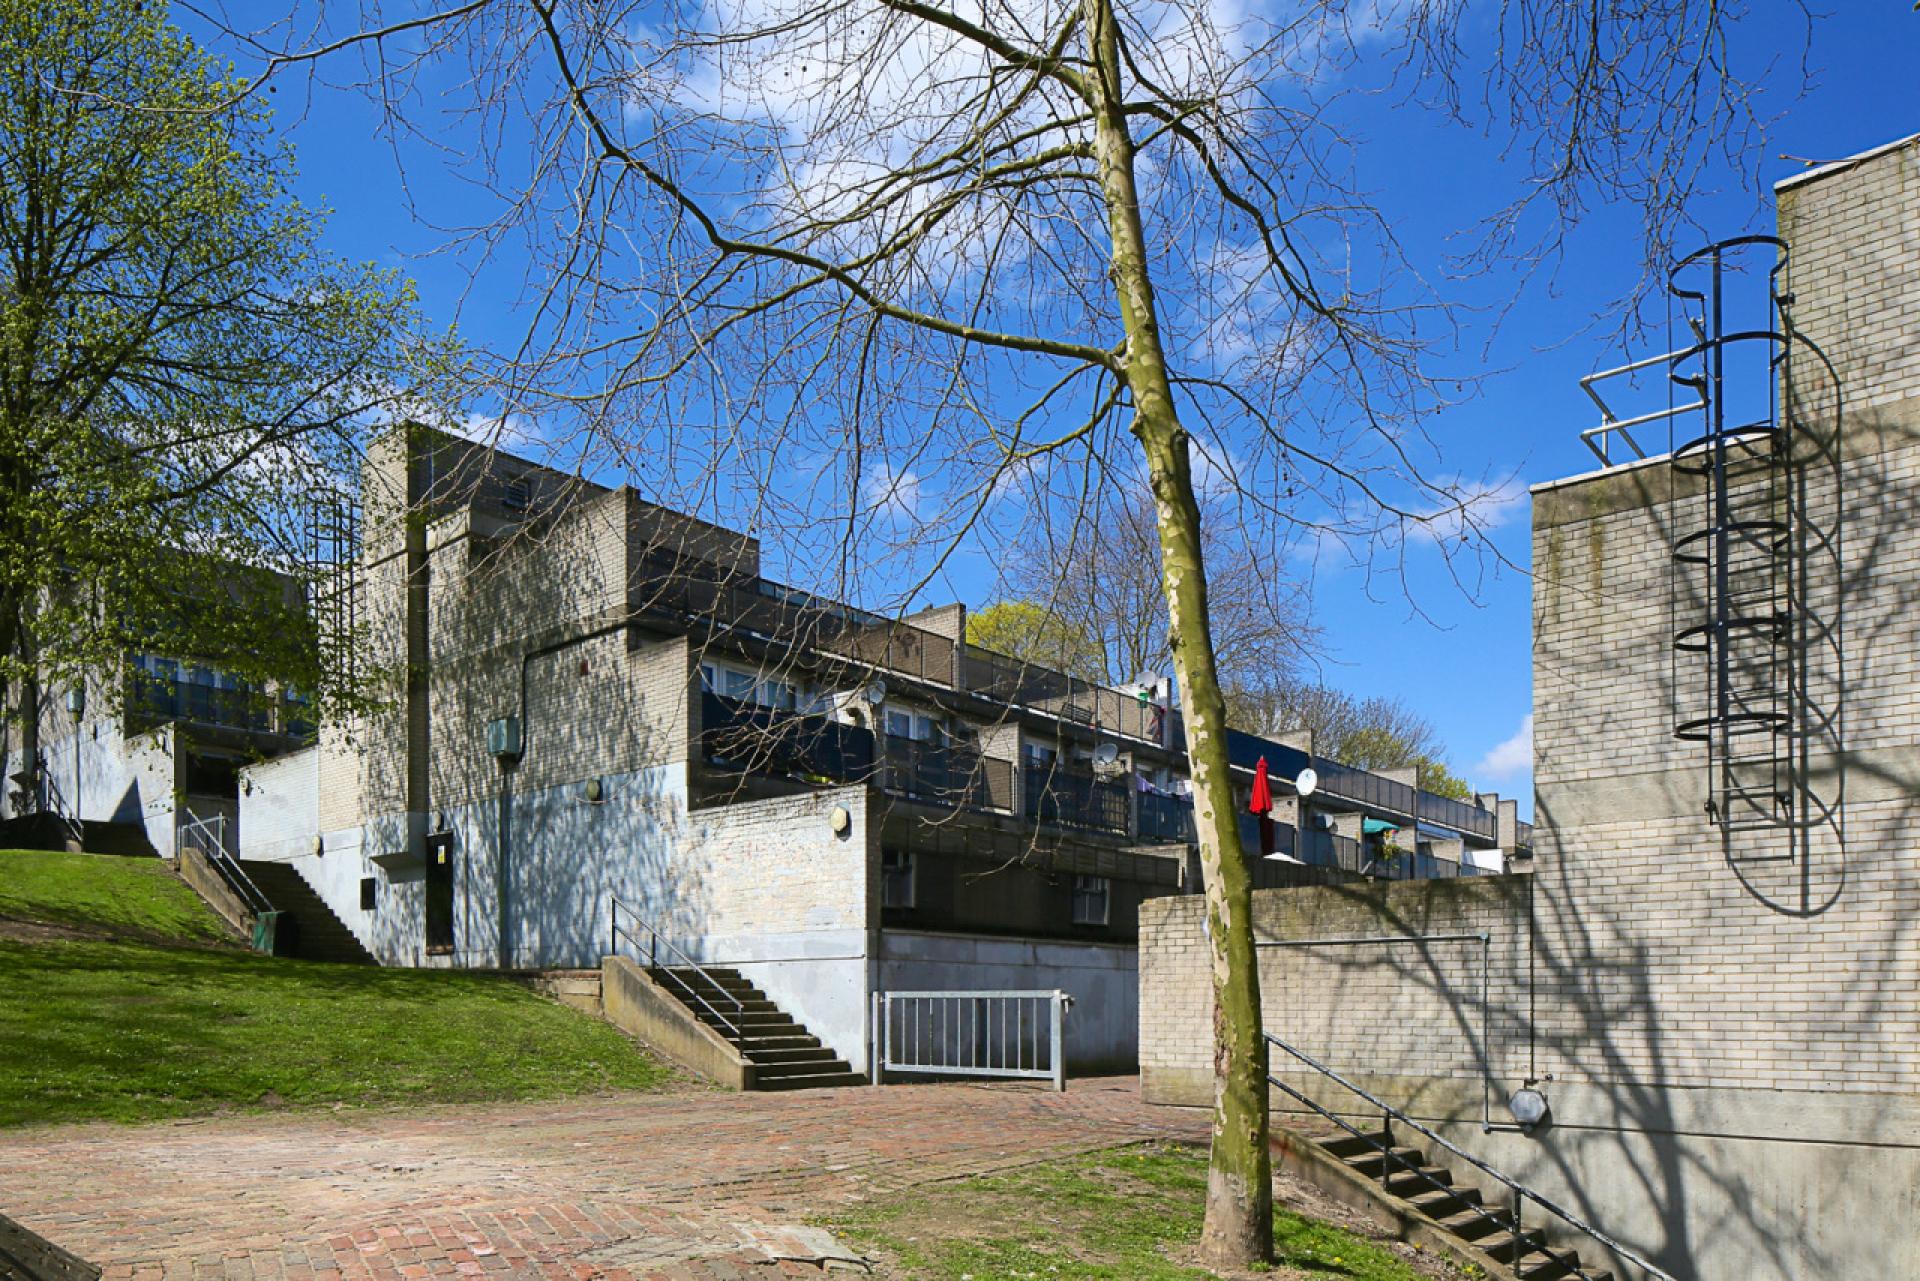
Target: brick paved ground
(692,1185)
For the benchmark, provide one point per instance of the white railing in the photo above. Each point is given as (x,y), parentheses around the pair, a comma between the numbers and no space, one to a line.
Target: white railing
(1600,439)
(984,1033)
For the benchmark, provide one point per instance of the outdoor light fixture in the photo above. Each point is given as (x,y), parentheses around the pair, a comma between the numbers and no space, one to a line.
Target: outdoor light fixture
(1529,1107)
(595,791)
(840,820)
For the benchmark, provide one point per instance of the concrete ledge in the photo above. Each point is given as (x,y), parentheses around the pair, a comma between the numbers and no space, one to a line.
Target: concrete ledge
(200,877)
(638,1006)
(27,1255)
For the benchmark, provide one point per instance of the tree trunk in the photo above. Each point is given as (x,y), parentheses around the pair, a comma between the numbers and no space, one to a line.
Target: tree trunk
(1239,1216)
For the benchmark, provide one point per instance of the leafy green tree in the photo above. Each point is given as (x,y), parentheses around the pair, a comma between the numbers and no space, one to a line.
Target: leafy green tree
(181,368)
(1036,634)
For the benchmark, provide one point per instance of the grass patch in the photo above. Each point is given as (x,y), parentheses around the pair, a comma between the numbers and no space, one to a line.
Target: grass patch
(1127,1214)
(130,1029)
(137,896)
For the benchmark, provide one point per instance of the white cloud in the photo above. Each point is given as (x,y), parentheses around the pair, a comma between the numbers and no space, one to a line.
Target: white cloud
(893,494)
(1471,508)
(1511,758)
(508,431)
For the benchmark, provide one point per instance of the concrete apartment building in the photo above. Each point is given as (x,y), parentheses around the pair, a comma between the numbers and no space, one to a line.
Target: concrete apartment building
(593,698)
(1712,969)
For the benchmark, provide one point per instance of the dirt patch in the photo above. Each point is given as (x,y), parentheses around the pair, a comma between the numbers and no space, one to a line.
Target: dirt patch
(21,929)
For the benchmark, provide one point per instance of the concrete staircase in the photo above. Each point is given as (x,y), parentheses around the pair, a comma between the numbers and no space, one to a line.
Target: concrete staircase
(784,1054)
(1429,1191)
(318,935)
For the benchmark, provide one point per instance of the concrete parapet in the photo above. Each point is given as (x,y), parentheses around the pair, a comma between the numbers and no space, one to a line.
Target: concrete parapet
(638,1006)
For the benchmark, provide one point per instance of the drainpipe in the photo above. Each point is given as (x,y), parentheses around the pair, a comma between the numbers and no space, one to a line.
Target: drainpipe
(502,864)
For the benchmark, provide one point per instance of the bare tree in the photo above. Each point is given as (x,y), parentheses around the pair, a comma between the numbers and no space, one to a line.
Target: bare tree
(862,269)
(1100,576)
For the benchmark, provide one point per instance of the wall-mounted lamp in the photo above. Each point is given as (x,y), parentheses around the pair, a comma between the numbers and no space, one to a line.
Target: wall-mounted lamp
(595,791)
(840,820)
(1529,1107)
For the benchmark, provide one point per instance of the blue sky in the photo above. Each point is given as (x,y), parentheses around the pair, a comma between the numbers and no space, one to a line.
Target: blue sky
(1460,659)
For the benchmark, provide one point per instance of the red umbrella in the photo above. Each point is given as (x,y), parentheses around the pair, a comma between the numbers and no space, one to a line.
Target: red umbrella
(1261,803)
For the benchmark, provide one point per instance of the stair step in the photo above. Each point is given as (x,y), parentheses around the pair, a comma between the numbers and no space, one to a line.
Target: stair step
(747,1019)
(815,1053)
(828,1067)
(1345,1145)
(1437,1205)
(1374,1164)
(1471,1225)
(1507,1247)
(1541,1268)
(1410,1183)
(799,1039)
(829,1080)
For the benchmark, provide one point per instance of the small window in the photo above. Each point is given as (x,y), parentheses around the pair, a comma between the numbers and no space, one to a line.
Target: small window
(896,878)
(778,695)
(709,679)
(899,724)
(1090,897)
(738,684)
(369,889)
(515,497)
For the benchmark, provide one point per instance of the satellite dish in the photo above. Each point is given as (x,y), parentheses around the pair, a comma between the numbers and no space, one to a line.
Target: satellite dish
(877,693)
(1106,754)
(1305,781)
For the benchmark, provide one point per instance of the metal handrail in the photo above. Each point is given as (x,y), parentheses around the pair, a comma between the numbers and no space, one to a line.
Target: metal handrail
(222,861)
(1520,1191)
(57,806)
(654,940)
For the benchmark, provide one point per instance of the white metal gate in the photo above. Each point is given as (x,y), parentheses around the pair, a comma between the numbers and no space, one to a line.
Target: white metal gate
(988,1033)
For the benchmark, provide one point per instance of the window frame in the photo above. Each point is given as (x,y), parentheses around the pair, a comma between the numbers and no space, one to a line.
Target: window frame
(908,864)
(1084,888)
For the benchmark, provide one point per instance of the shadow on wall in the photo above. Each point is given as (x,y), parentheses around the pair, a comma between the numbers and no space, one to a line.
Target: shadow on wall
(1581,1009)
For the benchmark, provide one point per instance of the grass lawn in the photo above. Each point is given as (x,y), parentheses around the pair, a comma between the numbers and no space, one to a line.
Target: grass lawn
(132,1008)
(1126,1214)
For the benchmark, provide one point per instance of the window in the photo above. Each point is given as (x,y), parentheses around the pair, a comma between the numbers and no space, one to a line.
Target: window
(913,725)
(368,889)
(1090,897)
(746,687)
(515,497)
(896,878)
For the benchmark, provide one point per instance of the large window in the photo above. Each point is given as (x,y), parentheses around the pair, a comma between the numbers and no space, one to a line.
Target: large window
(1091,895)
(896,878)
(901,723)
(747,687)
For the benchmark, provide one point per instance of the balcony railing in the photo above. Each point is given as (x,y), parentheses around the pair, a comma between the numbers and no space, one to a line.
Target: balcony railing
(1166,819)
(152,700)
(1062,797)
(765,740)
(947,775)
(748,738)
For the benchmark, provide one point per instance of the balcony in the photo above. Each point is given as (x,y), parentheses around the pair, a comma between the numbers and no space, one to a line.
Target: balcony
(1067,799)
(1165,819)
(157,701)
(943,774)
(742,737)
